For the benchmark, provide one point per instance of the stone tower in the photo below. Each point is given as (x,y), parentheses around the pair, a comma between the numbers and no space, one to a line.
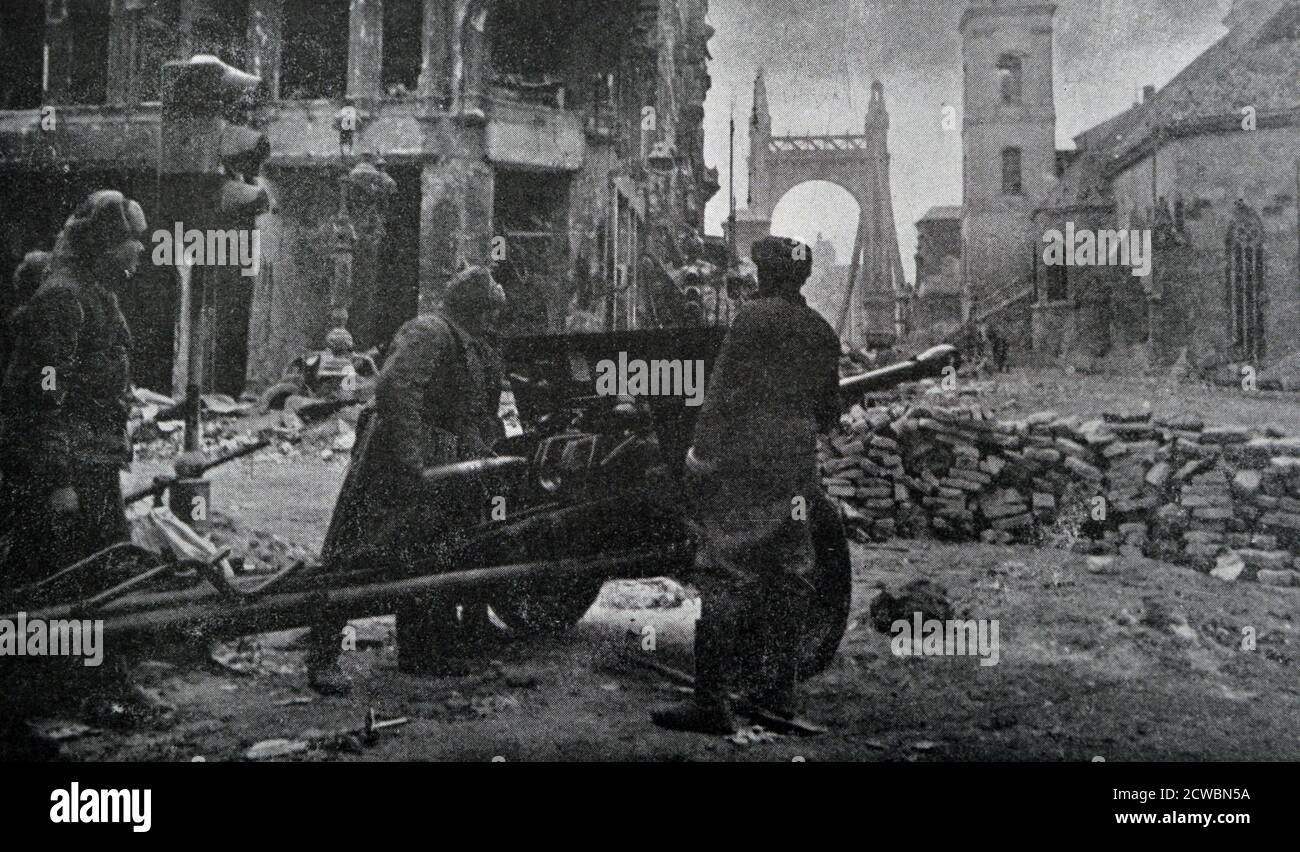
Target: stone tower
(754,220)
(1008,143)
(760,130)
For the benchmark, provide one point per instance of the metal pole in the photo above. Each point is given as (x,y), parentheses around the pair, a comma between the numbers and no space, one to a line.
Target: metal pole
(731,189)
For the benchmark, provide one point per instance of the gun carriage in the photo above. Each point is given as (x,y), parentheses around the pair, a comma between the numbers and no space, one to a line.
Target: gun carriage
(592,489)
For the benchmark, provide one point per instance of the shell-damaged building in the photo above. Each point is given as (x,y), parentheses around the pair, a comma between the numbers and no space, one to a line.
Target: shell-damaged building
(1181,214)
(558,140)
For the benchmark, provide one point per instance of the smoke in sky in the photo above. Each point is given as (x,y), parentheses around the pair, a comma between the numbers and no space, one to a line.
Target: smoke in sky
(820,57)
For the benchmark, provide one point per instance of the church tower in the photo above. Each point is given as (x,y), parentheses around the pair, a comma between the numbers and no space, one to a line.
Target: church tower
(1008,142)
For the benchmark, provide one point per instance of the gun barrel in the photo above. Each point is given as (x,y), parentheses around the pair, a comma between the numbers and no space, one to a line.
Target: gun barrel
(163,483)
(476,467)
(926,365)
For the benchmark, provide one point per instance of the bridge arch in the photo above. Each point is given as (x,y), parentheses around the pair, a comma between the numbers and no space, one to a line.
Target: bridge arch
(876,293)
(818,206)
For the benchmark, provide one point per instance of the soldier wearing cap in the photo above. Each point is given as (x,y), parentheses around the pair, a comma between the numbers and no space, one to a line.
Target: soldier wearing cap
(753,480)
(436,403)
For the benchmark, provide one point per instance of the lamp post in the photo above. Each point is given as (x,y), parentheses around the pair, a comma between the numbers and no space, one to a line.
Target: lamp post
(365,191)
(369,192)
(345,235)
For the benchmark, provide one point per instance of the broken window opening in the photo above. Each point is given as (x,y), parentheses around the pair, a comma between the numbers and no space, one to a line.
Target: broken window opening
(314,50)
(397,283)
(87,22)
(22,36)
(403,47)
(530,211)
(533,45)
(221,30)
(1010,78)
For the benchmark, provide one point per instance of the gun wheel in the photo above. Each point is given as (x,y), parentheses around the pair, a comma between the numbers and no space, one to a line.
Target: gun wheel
(529,610)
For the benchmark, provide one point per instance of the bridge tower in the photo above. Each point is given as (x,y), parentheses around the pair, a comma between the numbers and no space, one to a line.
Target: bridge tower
(875,291)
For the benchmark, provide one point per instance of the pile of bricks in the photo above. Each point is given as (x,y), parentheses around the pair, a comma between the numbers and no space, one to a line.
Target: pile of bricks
(1223,500)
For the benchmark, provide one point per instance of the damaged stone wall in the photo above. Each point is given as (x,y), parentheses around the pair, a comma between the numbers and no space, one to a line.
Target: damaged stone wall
(1204,177)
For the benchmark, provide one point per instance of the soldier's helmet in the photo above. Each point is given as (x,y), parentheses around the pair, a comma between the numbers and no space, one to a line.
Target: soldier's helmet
(782,261)
(473,291)
(105,219)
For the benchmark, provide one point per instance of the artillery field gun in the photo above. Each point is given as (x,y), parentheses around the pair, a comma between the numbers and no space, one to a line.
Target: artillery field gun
(591,490)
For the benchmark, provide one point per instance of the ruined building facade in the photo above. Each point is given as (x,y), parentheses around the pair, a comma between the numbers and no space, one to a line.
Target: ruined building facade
(1209,165)
(558,140)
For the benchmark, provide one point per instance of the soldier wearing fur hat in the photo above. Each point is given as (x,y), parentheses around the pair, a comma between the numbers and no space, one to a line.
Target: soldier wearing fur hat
(64,405)
(66,390)
(435,403)
(775,384)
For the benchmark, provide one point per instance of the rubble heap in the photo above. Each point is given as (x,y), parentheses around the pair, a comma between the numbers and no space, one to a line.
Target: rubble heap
(1224,500)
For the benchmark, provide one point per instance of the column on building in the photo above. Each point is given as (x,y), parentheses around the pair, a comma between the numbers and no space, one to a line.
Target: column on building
(457,182)
(433,70)
(265,28)
(366,50)
(123,40)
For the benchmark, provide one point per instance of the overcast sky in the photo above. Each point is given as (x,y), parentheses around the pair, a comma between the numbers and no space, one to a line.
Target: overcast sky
(820,57)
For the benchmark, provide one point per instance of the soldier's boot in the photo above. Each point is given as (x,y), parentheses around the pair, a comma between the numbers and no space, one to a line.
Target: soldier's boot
(779,693)
(773,685)
(429,643)
(324,674)
(19,743)
(710,711)
(117,701)
(774,693)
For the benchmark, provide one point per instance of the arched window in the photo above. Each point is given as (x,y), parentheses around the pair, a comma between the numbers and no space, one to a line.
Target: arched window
(1010,78)
(1247,293)
(1011,182)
